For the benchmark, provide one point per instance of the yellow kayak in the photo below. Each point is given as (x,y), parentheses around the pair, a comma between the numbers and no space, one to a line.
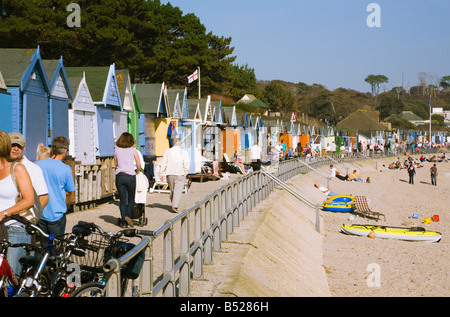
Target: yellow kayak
(409,234)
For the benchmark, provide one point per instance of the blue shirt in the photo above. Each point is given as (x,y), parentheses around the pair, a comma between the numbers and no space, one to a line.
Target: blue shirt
(58,177)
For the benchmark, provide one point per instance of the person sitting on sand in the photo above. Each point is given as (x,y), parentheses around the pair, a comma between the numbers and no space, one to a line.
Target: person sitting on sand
(325,190)
(342,178)
(354,177)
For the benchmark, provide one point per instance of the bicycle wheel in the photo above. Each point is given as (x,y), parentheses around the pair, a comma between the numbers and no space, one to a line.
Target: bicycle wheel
(91,289)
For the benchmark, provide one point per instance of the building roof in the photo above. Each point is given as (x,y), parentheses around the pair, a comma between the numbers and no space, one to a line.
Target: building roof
(149,96)
(96,77)
(13,63)
(362,120)
(410,116)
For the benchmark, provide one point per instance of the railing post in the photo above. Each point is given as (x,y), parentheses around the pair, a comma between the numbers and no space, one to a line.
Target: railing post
(197,264)
(169,289)
(146,276)
(113,286)
(208,243)
(185,273)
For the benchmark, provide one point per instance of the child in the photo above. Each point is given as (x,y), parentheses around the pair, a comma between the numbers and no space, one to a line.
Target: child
(42,152)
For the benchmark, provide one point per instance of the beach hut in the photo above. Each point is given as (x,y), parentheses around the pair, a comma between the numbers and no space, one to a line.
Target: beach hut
(25,77)
(82,122)
(189,129)
(133,116)
(104,90)
(5,107)
(59,98)
(230,136)
(211,132)
(122,120)
(154,119)
(192,132)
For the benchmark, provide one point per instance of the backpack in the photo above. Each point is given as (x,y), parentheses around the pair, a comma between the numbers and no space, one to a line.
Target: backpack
(33,214)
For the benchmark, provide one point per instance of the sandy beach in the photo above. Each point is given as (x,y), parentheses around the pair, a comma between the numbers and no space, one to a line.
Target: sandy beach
(352,264)
(406,268)
(276,252)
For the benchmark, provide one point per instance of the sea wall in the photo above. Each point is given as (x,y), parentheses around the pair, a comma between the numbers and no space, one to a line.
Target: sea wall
(279,253)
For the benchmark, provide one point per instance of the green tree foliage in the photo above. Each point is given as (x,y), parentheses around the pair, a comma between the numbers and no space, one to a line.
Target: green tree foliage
(241,80)
(155,42)
(375,81)
(390,104)
(445,83)
(278,98)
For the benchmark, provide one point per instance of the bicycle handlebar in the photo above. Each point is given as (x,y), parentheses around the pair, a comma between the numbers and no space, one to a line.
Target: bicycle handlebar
(136,232)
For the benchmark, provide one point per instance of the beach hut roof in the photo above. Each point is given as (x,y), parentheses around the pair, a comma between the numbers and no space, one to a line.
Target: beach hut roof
(17,65)
(152,98)
(99,79)
(82,99)
(55,69)
(125,89)
(174,99)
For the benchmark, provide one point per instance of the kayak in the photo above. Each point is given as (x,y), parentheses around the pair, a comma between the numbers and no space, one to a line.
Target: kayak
(409,234)
(339,203)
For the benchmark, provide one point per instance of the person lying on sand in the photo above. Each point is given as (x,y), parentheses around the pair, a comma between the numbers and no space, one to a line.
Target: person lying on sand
(325,190)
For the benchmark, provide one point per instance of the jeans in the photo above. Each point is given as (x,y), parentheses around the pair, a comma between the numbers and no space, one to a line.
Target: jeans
(56,228)
(126,187)
(433,179)
(17,234)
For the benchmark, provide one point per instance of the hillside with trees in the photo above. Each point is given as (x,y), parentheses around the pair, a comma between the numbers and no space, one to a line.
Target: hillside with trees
(159,43)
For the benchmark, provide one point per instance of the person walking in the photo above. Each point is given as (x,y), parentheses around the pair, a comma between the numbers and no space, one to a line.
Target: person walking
(60,183)
(175,166)
(411,171)
(128,165)
(434,173)
(256,153)
(11,187)
(16,230)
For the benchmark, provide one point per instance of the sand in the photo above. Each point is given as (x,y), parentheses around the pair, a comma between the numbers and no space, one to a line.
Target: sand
(276,252)
(403,268)
(354,266)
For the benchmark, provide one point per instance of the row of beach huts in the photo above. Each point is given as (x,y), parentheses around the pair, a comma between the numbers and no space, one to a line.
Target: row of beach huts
(93,106)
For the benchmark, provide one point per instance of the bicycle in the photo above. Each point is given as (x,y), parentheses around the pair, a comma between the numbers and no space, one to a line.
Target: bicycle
(46,275)
(115,249)
(8,279)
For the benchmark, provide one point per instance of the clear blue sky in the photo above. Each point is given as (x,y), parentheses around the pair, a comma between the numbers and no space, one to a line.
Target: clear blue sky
(329,42)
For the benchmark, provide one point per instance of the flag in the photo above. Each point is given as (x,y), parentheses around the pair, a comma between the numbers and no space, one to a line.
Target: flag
(193,77)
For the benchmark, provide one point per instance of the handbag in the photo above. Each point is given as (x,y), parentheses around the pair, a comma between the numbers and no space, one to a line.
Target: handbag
(33,214)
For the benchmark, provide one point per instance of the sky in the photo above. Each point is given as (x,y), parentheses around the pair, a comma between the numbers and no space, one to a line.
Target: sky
(331,42)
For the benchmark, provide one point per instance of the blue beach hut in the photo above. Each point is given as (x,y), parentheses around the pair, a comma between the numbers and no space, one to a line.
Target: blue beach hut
(105,93)
(82,122)
(25,77)
(5,107)
(59,98)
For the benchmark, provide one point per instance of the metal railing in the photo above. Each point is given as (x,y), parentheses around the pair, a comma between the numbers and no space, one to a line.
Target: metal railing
(170,264)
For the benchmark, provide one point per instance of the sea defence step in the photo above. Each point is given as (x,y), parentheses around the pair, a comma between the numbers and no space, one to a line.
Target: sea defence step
(276,251)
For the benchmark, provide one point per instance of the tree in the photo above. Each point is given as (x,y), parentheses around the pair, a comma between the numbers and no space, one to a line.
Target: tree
(445,83)
(156,42)
(390,105)
(277,98)
(375,81)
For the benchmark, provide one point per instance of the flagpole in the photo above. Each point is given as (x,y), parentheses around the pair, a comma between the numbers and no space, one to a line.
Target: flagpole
(430,120)
(199,86)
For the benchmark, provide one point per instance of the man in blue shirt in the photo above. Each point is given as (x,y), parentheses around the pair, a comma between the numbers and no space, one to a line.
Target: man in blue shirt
(59,179)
